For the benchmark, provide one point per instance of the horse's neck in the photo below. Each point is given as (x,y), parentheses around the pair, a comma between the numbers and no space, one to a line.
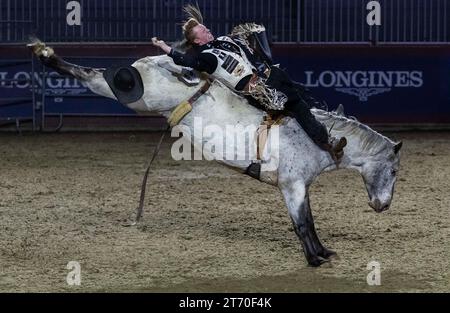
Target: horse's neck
(362,141)
(354,154)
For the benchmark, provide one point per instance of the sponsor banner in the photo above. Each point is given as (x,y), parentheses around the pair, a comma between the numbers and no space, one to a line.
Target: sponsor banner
(62,95)
(378,89)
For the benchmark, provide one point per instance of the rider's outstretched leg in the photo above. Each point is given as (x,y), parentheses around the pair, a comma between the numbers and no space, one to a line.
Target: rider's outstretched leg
(316,130)
(313,128)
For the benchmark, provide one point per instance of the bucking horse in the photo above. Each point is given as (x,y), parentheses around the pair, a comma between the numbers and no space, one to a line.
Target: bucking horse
(298,160)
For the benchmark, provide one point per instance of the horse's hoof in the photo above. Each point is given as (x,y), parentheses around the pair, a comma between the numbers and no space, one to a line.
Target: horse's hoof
(328,254)
(37,47)
(48,52)
(40,49)
(317,261)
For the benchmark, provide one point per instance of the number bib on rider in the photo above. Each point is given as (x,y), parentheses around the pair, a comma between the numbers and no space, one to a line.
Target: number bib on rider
(231,67)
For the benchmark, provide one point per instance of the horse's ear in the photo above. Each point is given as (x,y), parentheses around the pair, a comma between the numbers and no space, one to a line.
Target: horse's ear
(340,110)
(397,147)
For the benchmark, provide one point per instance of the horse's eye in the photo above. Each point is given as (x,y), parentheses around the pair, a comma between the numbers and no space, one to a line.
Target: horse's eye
(393,172)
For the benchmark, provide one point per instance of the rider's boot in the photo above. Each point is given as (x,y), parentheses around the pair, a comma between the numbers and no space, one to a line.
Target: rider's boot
(335,147)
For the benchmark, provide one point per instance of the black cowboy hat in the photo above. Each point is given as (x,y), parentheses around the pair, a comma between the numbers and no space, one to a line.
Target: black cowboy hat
(125,82)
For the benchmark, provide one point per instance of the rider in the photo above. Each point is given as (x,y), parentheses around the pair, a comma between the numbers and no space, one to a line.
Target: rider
(232,63)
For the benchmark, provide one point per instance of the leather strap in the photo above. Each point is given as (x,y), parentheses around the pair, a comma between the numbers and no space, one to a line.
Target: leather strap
(186,106)
(199,92)
(262,133)
(140,208)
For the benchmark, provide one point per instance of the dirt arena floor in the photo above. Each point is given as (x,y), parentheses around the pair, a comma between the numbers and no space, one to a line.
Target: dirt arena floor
(65,197)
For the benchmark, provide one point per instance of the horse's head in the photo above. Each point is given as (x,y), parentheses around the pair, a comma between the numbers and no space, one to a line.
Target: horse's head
(375,156)
(379,173)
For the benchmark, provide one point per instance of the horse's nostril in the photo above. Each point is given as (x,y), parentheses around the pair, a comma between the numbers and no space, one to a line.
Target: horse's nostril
(385,207)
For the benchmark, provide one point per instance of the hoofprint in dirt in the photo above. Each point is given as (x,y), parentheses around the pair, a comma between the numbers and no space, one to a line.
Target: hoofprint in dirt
(65,197)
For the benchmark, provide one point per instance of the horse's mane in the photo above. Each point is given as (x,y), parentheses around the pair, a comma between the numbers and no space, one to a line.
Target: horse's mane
(370,141)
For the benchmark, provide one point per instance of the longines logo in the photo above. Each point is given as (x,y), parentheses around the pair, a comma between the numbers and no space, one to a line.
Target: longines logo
(55,84)
(364,84)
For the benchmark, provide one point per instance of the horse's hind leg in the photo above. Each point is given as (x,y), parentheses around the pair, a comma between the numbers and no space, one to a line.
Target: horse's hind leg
(296,197)
(91,77)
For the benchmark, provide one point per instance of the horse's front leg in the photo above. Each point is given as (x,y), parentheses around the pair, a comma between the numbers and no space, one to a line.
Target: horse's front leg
(296,197)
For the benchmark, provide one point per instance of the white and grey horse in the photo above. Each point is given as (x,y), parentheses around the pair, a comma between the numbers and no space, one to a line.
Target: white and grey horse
(299,160)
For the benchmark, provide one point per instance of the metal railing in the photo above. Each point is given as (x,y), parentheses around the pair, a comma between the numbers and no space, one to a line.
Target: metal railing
(402,21)
(287,21)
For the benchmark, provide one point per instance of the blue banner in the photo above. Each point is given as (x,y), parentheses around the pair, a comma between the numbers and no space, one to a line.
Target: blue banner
(62,95)
(376,89)
(407,89)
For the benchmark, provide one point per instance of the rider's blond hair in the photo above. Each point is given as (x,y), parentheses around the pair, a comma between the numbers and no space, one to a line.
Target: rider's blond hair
(194,18)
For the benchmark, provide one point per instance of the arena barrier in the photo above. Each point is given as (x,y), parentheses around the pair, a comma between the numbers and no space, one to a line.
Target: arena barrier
(288,21)
(18,108)
(392,86)
(31,93)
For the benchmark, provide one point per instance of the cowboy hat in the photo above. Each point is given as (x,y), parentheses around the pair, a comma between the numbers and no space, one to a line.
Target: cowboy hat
(125,82)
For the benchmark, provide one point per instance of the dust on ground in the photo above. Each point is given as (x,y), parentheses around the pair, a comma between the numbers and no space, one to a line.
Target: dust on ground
(65,197)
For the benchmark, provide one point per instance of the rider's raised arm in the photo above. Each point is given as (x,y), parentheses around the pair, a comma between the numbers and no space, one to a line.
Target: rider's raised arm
(201,62)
